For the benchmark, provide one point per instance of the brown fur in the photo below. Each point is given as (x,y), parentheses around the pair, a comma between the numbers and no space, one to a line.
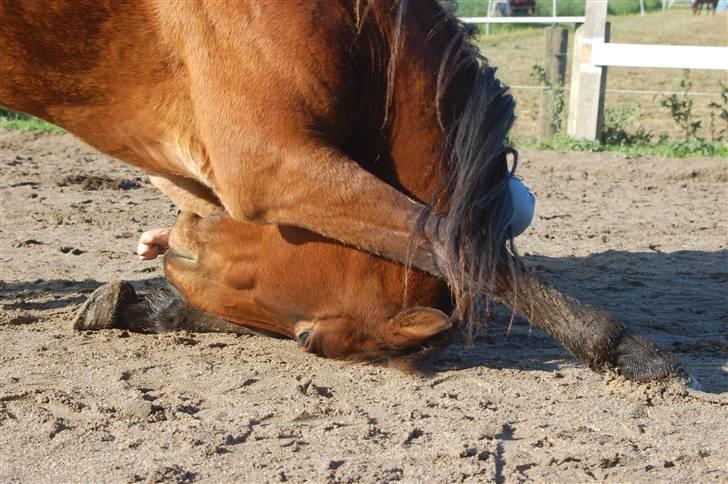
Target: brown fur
(135,82)
(319,128)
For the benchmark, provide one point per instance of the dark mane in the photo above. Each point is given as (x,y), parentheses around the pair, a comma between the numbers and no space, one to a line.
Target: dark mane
(475,112)
(476,233)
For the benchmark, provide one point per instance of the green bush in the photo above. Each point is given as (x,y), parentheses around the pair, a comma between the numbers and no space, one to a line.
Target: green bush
(561,142)
(693,146)
(615,130)
(8,114)
(678,149)
(23,122)
(680,107)
(718,123)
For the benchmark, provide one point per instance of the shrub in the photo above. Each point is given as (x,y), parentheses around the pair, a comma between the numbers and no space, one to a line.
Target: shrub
(616,121)
(692,146)
(681,109)
(538,72)
(719,110)
(23,122)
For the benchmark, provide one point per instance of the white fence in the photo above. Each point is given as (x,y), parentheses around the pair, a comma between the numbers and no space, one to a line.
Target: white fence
(523,20)
(662,56)
(592,54)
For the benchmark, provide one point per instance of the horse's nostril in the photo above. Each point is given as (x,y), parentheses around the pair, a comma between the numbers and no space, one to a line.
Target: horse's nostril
(302,337)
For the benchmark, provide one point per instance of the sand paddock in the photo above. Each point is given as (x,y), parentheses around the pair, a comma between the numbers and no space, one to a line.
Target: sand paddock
(643,238)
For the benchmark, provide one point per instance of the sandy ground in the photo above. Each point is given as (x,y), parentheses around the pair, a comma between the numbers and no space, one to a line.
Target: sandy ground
(644,238)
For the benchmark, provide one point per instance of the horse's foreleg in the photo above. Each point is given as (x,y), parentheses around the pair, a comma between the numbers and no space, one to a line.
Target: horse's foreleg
(324,191)
(333,196)
(589,334)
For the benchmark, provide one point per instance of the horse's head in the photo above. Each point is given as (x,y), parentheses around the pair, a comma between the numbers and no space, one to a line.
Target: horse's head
(405,338)
(215,262)
(335,301)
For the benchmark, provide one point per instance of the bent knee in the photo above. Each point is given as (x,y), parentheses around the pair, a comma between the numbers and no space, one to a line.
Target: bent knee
(251,210)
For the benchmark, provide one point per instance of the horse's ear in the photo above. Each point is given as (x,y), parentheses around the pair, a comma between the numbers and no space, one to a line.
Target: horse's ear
(414,326)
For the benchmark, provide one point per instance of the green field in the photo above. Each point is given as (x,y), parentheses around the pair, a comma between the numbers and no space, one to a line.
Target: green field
(516,51)
(23,122)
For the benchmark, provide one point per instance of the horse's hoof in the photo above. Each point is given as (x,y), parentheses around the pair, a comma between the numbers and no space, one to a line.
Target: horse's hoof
(641,360)
(103,308)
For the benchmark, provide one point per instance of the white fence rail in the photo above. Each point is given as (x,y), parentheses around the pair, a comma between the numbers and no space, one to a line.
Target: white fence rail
(592,54)
(642,92)
(523,20)
(662,56)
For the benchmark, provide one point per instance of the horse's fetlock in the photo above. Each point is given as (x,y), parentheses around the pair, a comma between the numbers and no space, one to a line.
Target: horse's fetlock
(434,233)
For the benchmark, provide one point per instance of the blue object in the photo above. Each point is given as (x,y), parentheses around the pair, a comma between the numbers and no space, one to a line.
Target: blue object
(524,206)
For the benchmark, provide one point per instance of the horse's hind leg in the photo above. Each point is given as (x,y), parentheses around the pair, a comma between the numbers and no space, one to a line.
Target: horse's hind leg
(589,334)
(117,305)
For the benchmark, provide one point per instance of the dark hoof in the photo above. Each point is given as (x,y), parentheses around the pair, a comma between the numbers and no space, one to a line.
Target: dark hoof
(637,359)
(103,308)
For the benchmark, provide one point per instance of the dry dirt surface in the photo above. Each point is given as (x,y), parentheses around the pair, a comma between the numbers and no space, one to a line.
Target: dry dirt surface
(644,238)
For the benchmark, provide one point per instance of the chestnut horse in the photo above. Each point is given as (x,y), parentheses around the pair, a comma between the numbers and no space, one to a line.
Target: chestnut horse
(357,148)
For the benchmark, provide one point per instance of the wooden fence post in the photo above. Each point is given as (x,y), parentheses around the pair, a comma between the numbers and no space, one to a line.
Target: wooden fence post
(588,82)
(551,109)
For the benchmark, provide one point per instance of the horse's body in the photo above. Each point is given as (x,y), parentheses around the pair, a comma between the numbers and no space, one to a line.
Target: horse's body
(321,128)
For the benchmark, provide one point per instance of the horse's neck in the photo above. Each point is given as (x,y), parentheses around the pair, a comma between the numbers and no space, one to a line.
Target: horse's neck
(404,147)
(414,137)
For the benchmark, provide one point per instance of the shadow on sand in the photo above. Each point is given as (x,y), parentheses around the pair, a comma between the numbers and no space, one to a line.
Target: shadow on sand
(679,300)
(52,294)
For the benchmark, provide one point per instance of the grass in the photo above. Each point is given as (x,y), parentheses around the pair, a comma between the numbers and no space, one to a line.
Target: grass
(22,122)
(515,52)
(675,149)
